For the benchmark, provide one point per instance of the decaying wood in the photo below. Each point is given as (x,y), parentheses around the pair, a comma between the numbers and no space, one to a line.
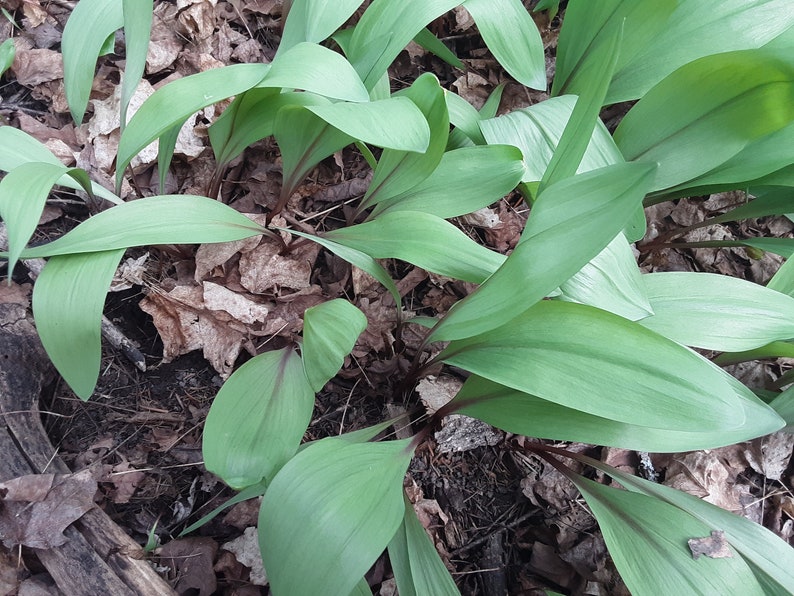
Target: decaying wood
(98,558)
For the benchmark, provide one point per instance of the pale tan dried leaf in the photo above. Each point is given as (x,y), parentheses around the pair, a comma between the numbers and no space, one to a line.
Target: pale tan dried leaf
(130,273)
(197,18)
(33,67)
(37,508)
(770,455)
(714,546)
(482,218)
(34,13)
(265,270)
(246,549)
(13,293)
(710,475)
(240,307)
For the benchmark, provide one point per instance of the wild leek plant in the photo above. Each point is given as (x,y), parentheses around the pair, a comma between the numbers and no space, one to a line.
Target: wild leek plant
(563,339)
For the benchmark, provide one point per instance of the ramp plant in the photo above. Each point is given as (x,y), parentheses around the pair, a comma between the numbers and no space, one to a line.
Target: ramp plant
(563,339)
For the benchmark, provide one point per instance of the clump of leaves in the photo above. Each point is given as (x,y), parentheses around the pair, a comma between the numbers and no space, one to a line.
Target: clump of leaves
(563,339)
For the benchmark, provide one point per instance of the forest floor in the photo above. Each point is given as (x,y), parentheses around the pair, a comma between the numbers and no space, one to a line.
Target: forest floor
(502,520)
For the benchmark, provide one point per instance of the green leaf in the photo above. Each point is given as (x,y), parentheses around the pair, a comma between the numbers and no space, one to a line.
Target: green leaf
(23,193)
(717,312)
(315,20)
(783,279)
(168,219)
(582,214)
(611,281)
(330,331)
(772,559)
(68,298)
(706,112)
(250,492)
(330,512)
(465,117)
(776,349)
(137,29)
(525,414)
(660,36)
(258,419)
(385,29)
(512,36)
(417,567)
(427,40)
(7,52)
(465,180)
(578,130)
(314,68)
(17,148)
(783,404)
(359,259)
(250,118)
(399,171)
(536,130)
(622,371)
(647,539)
(89,25)
(173,103)
(416,238)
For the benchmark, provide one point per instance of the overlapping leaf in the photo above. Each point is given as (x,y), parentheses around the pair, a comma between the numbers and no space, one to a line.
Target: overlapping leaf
(330,512)
(385,237)
(717,312)
(137,29)
(191,220)
(258,418)
(524,414)
(660,36)
(591,360)
(68,298)
(330,331)
(706,112)
(571,222)
(315,20)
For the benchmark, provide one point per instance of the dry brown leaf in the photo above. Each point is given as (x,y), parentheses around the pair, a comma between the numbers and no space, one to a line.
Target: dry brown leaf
(34,13)
(165,44)
(9,572)
(184,324)
(246,549)
(197,18)
(125,480)
(265,269)
(714,546)
(770,455)
(36,509)
(245,310)
(190,561)
(33,67)
(13,293)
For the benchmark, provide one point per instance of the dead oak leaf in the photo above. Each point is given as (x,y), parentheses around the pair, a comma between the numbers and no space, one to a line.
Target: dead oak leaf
(33,67)
(190,561)
(714,546)
(36,509)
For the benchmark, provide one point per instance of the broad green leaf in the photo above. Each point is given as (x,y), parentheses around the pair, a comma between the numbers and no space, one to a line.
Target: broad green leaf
(611,281)
(775,349)
(315,20)
(783,279)
(168,219)
(330,331)
(137,29)
(771,558)
(553,6)
(250,118)
(385,29)
(258,419)
(660,36)
(173,103)
(578,130)
(417,567)
(778,201)
(706,112)
(305,140)
(465,180)
(68,298)
(465,117)
(536,130)
(394,123)
(717,312)
(632,374)
(399,171)
(17,148)
(758,159)
(330,512)
(783,404)
(647,539)
(317,69)
(512,36)
(359,259)
(23,193)
(427,40)
(165,152)
(362,588)
(582,214)
(529,415)
(386,237)
(90,24)
(7,52)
